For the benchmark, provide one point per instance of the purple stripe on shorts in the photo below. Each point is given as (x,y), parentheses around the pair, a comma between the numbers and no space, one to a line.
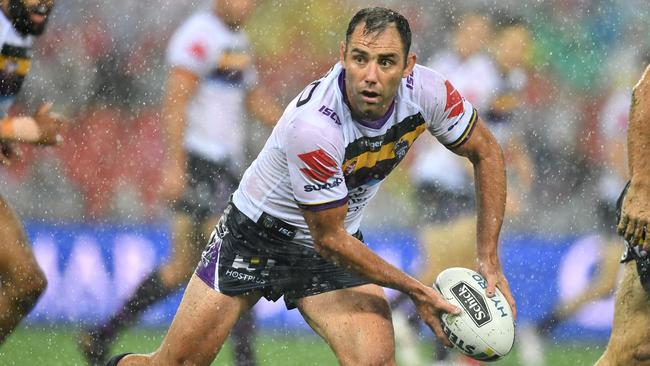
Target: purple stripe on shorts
(207,268)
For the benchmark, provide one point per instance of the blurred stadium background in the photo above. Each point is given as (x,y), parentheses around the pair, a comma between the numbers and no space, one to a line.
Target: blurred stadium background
(91,206)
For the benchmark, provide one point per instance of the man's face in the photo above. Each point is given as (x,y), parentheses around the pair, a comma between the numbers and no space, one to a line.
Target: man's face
(30,16)
(471,35)
(512,46)
(374,67)
(235,12)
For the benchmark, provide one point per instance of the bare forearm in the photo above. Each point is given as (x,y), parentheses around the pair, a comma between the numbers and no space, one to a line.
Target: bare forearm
(490,182)
(19,129)
(350,253)
(44,128)
(639,133)
(181,86)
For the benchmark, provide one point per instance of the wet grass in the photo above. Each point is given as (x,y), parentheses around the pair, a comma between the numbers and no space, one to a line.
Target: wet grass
(56,346)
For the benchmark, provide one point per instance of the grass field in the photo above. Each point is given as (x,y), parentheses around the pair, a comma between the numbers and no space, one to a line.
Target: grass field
(56,346)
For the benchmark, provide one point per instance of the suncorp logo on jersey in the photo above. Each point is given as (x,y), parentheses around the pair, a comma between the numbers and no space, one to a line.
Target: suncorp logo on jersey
(317,187)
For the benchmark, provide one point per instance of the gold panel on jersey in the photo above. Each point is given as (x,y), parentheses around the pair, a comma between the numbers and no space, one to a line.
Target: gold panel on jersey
(234,61)
(387,152)
(17,65)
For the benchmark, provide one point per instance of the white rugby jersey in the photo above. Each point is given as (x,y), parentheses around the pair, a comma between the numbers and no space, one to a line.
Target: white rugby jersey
(318,157)
(477,78)
(15,61)
(222,59)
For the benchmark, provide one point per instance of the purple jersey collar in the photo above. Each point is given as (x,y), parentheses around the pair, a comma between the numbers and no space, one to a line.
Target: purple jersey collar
(377,124)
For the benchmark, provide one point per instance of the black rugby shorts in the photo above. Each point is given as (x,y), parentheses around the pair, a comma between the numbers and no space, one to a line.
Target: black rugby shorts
(242,256)
(209,184)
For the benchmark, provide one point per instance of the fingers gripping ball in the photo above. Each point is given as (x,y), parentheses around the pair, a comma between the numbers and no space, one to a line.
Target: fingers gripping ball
(485,329)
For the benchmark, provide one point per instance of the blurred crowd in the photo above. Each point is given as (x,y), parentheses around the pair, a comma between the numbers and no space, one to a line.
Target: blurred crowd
(568,67)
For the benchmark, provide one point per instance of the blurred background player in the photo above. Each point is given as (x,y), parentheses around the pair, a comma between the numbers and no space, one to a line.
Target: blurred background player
(212,83)
(21,279)
(493,79)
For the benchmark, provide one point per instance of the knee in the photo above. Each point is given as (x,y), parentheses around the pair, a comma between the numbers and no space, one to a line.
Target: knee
(642,353)
(379,356)
(378,360)
(40,283)
(164,357)
(177,273)
(31,289)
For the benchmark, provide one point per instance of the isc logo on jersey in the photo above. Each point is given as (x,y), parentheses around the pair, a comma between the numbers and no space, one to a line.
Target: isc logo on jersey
(485,328)
(320,168)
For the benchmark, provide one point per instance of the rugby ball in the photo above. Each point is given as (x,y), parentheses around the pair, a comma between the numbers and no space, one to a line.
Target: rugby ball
(485,328)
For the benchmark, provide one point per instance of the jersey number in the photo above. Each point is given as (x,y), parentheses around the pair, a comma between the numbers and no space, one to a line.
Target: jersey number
(309,91)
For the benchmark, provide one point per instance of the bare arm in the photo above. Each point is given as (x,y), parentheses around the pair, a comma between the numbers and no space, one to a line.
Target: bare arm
(490,181)
(635,214)
(263,106)
(44,128)
(335,244)
(181,86)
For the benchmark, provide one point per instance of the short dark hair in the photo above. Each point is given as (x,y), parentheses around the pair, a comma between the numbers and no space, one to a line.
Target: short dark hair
(377,20)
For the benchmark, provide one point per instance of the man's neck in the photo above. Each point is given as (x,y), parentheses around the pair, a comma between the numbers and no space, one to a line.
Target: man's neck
(371,123)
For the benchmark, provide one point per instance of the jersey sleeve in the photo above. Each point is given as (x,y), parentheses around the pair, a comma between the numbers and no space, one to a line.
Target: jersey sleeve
(314,159)
(193,48)
(450,117)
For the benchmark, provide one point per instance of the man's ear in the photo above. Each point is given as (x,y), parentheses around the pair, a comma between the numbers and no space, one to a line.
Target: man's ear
(342,50)
(411,59)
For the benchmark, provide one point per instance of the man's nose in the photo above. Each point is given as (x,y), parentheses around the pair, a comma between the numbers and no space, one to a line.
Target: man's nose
(371,74)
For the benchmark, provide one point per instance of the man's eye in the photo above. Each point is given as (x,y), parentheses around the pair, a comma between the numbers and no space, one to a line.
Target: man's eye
(386,63)
(358,59)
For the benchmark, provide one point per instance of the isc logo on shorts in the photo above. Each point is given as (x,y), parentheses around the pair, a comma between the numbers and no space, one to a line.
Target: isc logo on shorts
(472,302)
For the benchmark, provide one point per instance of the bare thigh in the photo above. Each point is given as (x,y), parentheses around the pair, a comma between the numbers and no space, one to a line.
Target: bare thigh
(200,327)
(629,343)
(355,322)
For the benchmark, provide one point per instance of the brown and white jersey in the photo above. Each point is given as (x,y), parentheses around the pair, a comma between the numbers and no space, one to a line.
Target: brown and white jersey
(15,62)
(222,59)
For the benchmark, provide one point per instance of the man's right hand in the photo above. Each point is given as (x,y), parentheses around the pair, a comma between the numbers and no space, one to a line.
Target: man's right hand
(51,126)
(173,182)
(430,305)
